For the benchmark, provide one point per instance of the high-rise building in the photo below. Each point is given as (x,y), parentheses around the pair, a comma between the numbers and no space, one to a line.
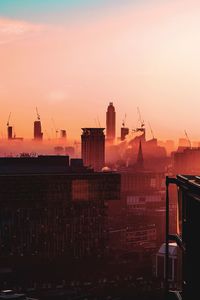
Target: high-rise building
(38,135)
(110,122)
(93,147)
(52,209)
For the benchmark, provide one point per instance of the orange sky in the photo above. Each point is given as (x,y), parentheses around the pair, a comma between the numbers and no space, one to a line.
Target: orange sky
(145,55)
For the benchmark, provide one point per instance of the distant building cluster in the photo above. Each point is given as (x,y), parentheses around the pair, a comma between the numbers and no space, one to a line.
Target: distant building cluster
(107,202)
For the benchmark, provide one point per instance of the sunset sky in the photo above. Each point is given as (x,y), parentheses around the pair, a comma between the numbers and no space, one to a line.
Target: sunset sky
(71,58)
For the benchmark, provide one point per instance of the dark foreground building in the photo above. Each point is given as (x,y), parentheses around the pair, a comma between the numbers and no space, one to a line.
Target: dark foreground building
(93,148)
(50,209)
(188,236)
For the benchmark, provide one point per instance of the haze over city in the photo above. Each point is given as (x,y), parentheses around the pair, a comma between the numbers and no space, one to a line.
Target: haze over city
(70,58)
(99,149)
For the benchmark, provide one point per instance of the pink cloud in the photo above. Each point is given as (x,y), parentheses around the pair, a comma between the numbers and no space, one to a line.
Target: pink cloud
(11,30)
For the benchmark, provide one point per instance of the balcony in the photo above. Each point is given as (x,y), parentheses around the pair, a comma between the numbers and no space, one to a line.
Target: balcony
(187,238)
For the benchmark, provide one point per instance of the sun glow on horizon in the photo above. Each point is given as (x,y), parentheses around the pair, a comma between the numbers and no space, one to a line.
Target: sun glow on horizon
(144,55)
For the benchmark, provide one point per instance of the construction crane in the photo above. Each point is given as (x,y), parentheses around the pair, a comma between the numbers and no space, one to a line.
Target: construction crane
(8,119)
(38,116)
(141,128)
(140,118)
(124,121)
(188,138)
(151,130)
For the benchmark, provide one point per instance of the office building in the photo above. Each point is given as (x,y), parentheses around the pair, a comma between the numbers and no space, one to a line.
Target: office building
(93,147)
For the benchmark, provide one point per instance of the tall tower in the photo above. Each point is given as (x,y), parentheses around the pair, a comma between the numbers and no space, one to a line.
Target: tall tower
(38,135)
(93,147)
(110,122)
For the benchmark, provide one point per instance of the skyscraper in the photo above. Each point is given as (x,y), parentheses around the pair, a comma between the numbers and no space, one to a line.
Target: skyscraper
(110,122)
(38,135)
(93,147)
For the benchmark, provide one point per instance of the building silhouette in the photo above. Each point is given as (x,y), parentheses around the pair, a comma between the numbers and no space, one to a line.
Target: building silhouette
(124,133)
(186,161)
(93,147)
(63,134)
(186,237)
(52,209)
(38,135)
(10,132)
(110,123)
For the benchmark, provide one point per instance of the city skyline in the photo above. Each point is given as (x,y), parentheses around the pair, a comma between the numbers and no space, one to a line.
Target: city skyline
(92,214)
(140,53)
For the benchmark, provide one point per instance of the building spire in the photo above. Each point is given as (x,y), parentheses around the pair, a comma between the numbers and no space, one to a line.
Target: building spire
(140,159)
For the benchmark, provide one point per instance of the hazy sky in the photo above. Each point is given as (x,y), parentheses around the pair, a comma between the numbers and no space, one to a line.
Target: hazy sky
(71,58)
